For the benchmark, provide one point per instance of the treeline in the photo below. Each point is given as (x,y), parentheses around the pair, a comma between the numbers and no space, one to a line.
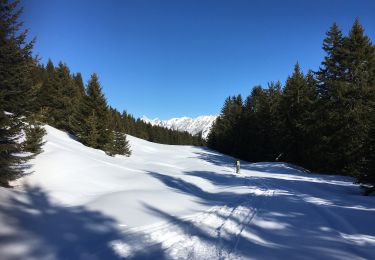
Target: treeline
(324,120)
(158,134)
(63,101)
(32,93)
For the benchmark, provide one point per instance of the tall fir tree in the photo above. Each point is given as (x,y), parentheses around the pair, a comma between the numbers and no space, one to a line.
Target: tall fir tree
(16,61)
(297,106)
(346,89)
(9,147)
(223,135)
(91,137)
(34,133)
(97,102)
(329,86)
(63,109)
(358,98)
(16,88)
(47,98)
(255,124)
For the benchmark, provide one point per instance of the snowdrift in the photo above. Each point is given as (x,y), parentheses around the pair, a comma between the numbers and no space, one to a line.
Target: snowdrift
(178,202)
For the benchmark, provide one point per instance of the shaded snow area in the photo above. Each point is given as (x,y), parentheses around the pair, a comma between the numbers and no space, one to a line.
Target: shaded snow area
(178,202)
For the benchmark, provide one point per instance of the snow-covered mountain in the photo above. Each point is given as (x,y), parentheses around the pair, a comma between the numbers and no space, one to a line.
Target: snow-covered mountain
(192,125)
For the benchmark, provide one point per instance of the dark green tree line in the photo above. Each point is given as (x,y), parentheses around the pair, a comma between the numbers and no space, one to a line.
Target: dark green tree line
(324,120)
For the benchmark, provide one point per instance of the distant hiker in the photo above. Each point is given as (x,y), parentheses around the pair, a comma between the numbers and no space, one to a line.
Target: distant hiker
(238,166)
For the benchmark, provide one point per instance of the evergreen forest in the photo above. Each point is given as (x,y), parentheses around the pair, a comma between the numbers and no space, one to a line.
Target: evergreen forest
(322,120)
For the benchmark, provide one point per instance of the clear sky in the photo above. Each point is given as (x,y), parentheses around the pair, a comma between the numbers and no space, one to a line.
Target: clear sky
(175,58)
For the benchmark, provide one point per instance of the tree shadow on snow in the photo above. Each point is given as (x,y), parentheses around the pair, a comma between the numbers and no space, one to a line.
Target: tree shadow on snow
(205,197)
(305,223)
(216,158)
(52,231)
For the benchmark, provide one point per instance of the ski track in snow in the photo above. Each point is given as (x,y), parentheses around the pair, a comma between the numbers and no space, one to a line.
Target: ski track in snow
(178,202)
(178,240)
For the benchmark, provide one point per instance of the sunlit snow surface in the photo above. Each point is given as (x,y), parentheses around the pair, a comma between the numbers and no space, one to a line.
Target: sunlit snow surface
(178,202)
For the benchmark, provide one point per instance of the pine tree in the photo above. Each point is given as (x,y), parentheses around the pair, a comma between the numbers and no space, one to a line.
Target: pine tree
(77,103)
(34,133)
(344,108)
(255,123)
(297,106)
(9,147)
(329,86)
(47,98)
(274,93)
(92,135)
(15,60)
(358,98)
(97,102)
(118,144)
(16,63)
(63,107)
(331,72)
(109,147)
(224,132)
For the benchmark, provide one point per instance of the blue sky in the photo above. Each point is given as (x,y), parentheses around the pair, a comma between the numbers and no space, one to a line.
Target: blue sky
(183,58)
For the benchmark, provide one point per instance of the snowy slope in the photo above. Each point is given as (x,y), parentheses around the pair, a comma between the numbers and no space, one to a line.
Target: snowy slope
(192,125)
(178,202)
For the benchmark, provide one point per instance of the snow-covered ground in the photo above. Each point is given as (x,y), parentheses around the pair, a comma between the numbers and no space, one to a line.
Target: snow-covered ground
(178,202)
(200,124)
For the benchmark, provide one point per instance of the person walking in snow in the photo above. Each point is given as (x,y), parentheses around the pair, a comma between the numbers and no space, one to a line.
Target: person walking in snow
(238,166)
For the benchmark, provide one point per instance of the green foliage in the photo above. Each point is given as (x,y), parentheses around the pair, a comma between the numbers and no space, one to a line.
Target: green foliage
(226,127)
(15,59)
(92,135)
(297,112)
(97,102)
(16,89)
(324,121)
(10,127)
(118,144)
(62,100)
(34,133)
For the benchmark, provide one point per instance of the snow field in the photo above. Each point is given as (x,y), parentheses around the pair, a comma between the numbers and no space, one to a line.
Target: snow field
(178,202)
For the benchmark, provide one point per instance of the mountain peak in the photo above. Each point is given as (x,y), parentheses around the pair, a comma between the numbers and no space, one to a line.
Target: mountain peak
(200,124)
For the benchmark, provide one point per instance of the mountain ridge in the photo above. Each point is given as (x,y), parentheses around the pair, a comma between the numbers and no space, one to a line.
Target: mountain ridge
(201,124)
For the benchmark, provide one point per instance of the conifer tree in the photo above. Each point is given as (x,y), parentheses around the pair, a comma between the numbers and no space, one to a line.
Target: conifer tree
(118,144)
(66,94)
(97,102)
(223,135)
(15,59)
(92,135)
(274,93)
(255,119)
(297,104)
(34,133)
(47,95)
(346,88)
(16,63)
(78,103)
(330,85)
(109,147)
(331,72)
(9,147)
(358,98)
